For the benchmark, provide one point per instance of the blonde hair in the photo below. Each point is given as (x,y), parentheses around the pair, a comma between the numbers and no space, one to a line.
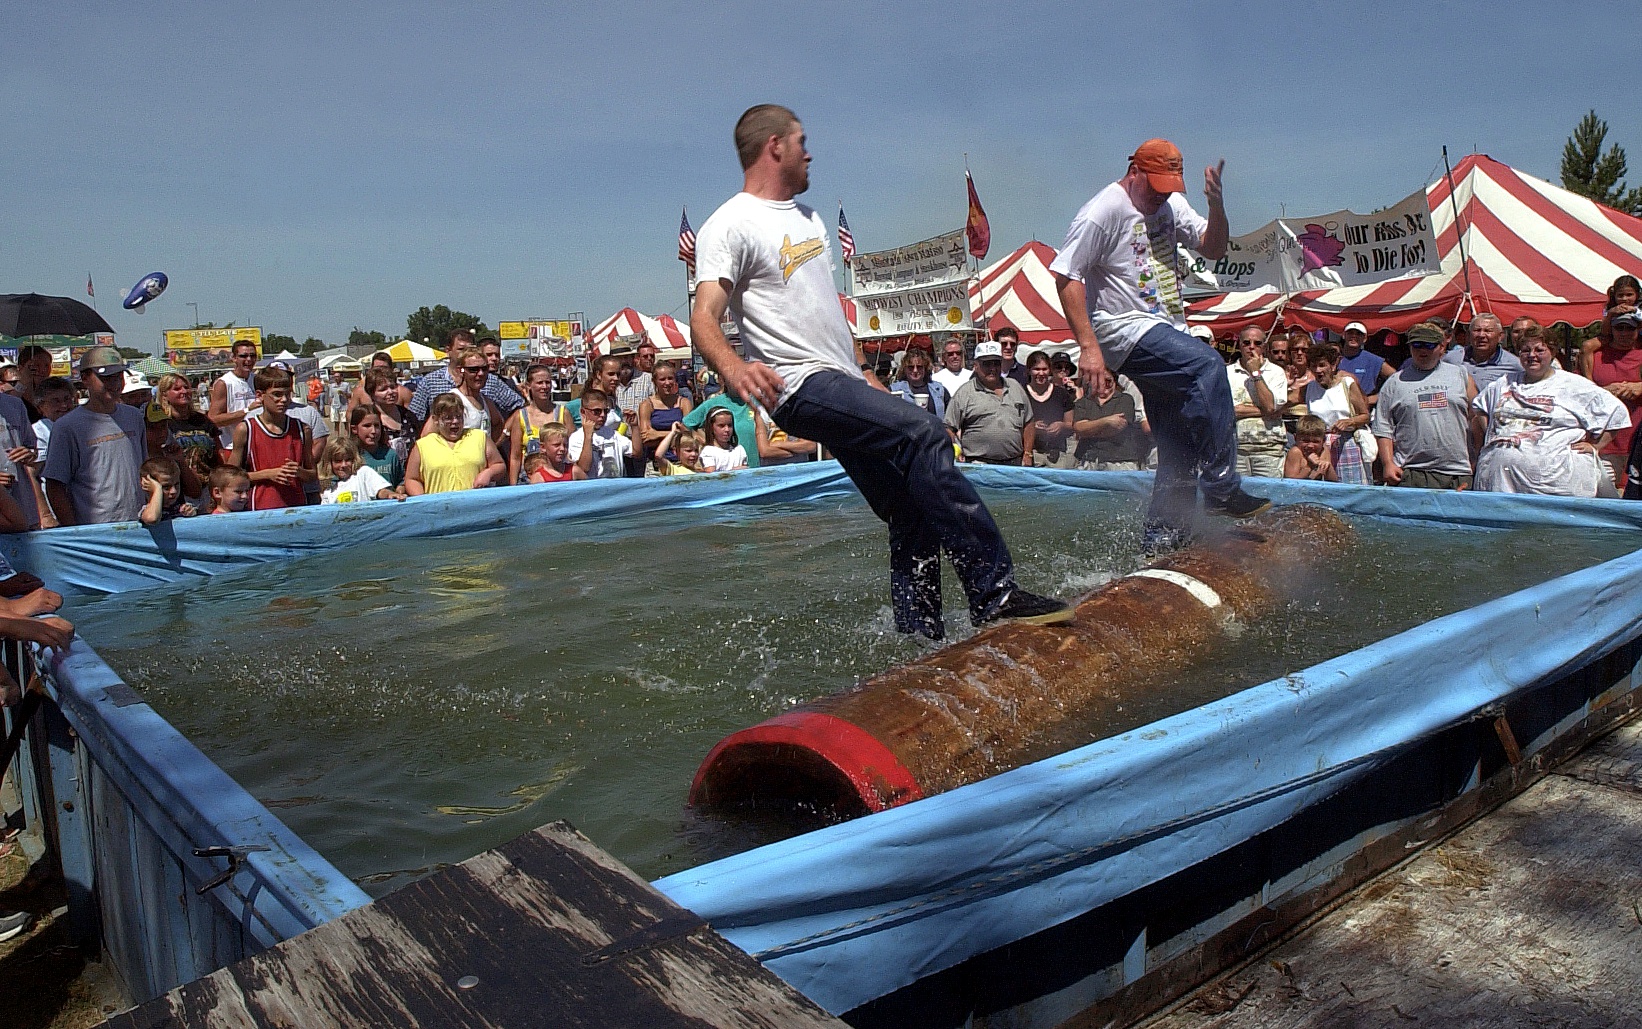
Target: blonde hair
(338,447)
(1310,427)
(165,382)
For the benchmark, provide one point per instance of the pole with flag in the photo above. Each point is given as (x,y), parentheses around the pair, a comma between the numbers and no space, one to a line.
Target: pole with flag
(846,239)
(90,292)
(979,231)
(687,254)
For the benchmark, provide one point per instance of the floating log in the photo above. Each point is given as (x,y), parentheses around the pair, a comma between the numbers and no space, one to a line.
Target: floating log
(976,708)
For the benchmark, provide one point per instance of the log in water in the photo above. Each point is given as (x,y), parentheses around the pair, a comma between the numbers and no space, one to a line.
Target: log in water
(974,709)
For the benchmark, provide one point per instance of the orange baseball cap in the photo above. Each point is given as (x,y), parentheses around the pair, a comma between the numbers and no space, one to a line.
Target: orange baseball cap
(1160,160)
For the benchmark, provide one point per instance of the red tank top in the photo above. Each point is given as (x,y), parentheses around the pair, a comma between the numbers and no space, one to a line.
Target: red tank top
(265,450)
(546,474)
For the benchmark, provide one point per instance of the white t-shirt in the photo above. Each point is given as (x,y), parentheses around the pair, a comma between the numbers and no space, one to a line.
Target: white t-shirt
(952,380)
(776,257)
(1264,433)
(240,398)
(364,484)
(717,459)
(1532,427)
(612,448)
(1129,266)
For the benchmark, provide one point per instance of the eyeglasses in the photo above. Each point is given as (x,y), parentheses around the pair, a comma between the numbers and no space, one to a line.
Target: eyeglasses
(1423,346)
(473,369)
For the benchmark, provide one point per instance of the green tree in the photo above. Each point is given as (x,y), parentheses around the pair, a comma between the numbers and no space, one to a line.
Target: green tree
(273,343)
(435,325)
(310,347)
(1592,172)
(132,353)
(375,340)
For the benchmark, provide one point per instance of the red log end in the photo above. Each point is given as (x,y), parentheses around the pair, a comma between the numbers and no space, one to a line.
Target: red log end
(804,757)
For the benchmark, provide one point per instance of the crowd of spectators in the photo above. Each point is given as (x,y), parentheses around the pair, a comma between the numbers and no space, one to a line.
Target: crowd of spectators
(1467,405)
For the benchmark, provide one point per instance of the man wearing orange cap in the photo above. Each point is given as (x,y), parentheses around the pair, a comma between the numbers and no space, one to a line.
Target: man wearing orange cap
(1119,276)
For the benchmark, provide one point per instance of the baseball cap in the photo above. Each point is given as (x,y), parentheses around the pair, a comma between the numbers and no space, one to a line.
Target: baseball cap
(1060,357)
(135,380)
(1359,326)
(1202,332)
(1160,160)
(102,360)
(1423,333)
(1628,318)
(989,348)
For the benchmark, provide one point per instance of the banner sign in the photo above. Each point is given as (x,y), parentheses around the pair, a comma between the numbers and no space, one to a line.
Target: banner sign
(196,349)
(939,308)
(1339,249)
(538,328)
(937,261)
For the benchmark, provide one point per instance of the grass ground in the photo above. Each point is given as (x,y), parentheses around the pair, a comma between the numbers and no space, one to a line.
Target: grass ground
(44,981)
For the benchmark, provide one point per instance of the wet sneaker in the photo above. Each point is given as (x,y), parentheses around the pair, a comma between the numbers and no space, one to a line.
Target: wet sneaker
(1021,606)
(1238,505)
(934,631)
(14,923)
(1158,539)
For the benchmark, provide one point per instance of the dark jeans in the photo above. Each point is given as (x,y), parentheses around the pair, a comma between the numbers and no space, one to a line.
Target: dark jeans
(900,458)
(1189,408)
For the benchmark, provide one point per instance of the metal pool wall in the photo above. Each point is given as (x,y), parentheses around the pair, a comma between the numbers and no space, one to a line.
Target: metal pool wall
(895,913)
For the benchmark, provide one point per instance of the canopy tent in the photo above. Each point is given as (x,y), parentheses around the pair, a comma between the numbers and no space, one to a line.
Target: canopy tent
(154,367)
(671,338)
(1531,248)
(1019,291)
(410,352)
(339,363)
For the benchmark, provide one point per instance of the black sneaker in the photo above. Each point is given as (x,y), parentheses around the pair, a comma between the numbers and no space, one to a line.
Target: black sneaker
(1021,606)
(14,923)
(1238,505)
(1157,539)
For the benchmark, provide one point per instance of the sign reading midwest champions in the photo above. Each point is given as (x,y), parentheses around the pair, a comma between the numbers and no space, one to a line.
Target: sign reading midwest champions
(1339,249)
(939,308)
(919,288)
(932,262)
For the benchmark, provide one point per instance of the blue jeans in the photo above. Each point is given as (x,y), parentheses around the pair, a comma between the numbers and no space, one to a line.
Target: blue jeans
(1189,409)
(900,457)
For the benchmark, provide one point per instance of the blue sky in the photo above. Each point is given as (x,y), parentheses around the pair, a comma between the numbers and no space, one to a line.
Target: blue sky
(312,167)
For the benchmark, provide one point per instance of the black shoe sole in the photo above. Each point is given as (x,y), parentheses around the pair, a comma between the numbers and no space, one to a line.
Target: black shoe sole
(1224,512)
(1062,617)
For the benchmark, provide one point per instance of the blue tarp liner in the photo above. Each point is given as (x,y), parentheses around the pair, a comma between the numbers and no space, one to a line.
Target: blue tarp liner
(853,912)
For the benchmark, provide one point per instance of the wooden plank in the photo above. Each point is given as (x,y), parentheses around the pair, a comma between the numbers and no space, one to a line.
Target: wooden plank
(1529,916)
(547,930)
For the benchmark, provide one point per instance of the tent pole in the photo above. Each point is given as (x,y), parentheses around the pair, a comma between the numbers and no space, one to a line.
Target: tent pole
(1465,259)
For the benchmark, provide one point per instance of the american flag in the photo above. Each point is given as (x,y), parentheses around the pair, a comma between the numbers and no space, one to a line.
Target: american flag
(686,241)
(89,291)
(846,241)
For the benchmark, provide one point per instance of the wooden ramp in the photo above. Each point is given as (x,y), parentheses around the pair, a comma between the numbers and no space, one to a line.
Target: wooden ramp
(545,931)
(1529,916)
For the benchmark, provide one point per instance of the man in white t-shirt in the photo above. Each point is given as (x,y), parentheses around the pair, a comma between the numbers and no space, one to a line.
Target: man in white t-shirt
(768,261)
(1256,385)
(1119,276)
(952,372)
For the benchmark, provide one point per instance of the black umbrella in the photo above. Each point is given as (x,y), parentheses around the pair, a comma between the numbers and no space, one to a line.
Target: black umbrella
(30,314)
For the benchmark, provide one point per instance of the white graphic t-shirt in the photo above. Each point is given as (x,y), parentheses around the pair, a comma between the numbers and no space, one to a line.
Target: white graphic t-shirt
(1129,266)
(776,259)
(1532,427)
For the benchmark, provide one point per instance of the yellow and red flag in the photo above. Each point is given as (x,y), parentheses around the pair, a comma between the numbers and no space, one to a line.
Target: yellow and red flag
(980,232)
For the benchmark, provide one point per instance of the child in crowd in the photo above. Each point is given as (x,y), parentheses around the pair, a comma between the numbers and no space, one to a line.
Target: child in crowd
(229,488)
(53,398)
(355,481)
(723,453)
(162,481)
(551,461)
(365,425)
(685,444)
(272,447)
(598,448)
(1308,458)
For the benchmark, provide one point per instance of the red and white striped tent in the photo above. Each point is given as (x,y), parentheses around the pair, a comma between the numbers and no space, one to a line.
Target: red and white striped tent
(665,332)
(1532,249)
(1019,291)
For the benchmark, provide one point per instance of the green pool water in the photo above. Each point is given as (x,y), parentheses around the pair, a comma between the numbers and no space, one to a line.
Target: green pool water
(414,703)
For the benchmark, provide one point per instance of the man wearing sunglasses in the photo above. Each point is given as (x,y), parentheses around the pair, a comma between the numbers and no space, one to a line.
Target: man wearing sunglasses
(1423,419)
